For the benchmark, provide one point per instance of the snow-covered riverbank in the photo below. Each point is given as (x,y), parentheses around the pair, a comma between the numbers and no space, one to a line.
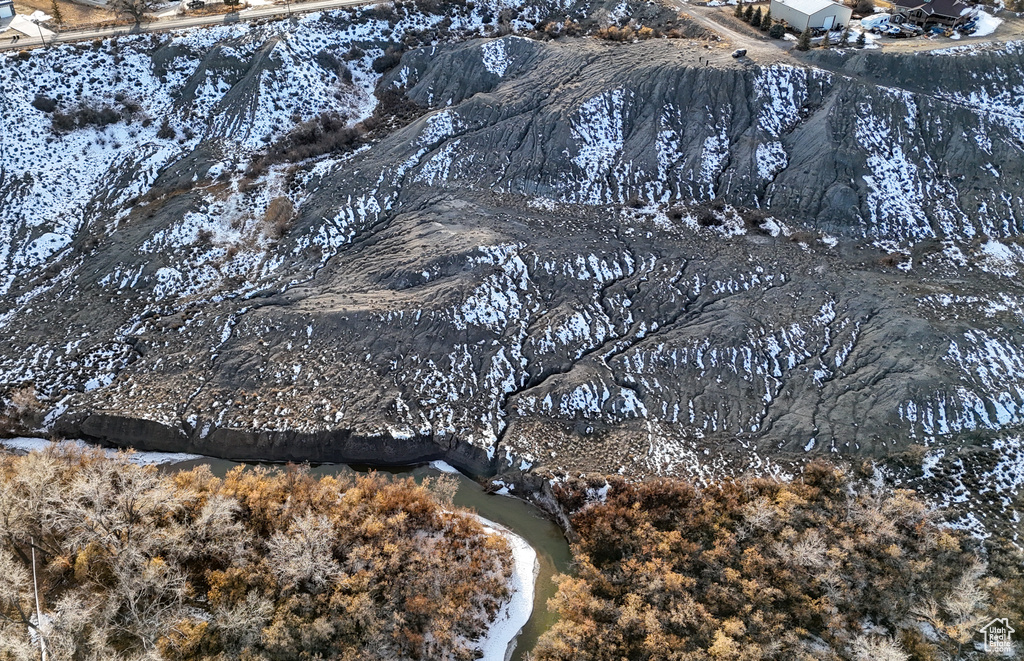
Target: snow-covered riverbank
(500,640)
(141,458)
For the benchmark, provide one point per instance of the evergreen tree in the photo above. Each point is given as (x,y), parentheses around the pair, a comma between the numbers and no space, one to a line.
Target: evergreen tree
(844,40)
(804,42)
(766,21)
(861,40)
(56,15)
(738,11)
(826,42)
(748,13)
(777,31)
(755,20)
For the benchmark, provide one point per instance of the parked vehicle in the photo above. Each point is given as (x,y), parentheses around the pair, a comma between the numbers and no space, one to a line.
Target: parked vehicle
(876,22)
(739,52)
(196,4)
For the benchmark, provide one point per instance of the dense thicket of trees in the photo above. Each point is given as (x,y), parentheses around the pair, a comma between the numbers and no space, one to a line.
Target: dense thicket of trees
(757,569)
(259,565)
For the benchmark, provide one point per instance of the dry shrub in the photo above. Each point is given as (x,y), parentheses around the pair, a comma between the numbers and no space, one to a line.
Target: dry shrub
(395,104)
(803,237)
(389,60)
(708,218)
(279,218)
(327,133)
(259,564)
(24,399)
(21,410)
(763,569)
(613,33)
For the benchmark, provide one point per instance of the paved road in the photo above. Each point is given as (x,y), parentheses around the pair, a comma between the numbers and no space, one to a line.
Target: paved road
(269,11)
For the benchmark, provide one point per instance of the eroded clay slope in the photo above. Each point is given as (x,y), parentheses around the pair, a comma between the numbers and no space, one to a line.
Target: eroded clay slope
(578,255)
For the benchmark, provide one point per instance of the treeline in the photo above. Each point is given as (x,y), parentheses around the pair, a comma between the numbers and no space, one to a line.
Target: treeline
(819,568)
(259,565)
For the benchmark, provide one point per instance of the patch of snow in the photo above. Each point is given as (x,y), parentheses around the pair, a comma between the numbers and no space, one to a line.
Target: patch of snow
(500,639)
(22,444)
(495,57)
(598,130)
(987,24)
(444,467)
(771,159)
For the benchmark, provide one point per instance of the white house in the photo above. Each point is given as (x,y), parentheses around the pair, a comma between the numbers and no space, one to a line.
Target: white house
(801,14)
(6,8)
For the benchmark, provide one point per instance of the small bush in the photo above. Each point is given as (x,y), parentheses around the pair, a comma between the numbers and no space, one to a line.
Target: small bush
(62,122)
(165,132)
(388,61)
(707,218)
(84,115)
(21,410)
(803,237)
(393,103)
(326,134)
(279,217)
(329,61)
(44,103)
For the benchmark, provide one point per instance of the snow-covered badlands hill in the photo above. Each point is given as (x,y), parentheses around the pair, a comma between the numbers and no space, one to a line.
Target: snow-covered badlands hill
(557,254)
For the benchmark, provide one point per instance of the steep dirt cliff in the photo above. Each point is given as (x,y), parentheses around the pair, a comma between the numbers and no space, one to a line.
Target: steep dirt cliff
(569,254)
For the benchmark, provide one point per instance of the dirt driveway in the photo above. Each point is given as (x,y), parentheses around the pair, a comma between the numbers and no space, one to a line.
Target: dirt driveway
(74,14)
(718,19)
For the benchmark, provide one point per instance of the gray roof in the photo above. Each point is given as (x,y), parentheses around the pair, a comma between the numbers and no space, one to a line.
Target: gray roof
(808,6)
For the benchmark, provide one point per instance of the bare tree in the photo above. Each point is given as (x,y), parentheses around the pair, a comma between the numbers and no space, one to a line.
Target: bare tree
(15,609)
(134,9)
(241,626)
(866,647)
(304,555)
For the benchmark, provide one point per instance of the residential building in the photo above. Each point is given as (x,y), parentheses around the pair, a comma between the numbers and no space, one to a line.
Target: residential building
(815,14)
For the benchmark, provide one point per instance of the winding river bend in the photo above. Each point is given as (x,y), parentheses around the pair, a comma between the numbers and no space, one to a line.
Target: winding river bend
(520,517)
